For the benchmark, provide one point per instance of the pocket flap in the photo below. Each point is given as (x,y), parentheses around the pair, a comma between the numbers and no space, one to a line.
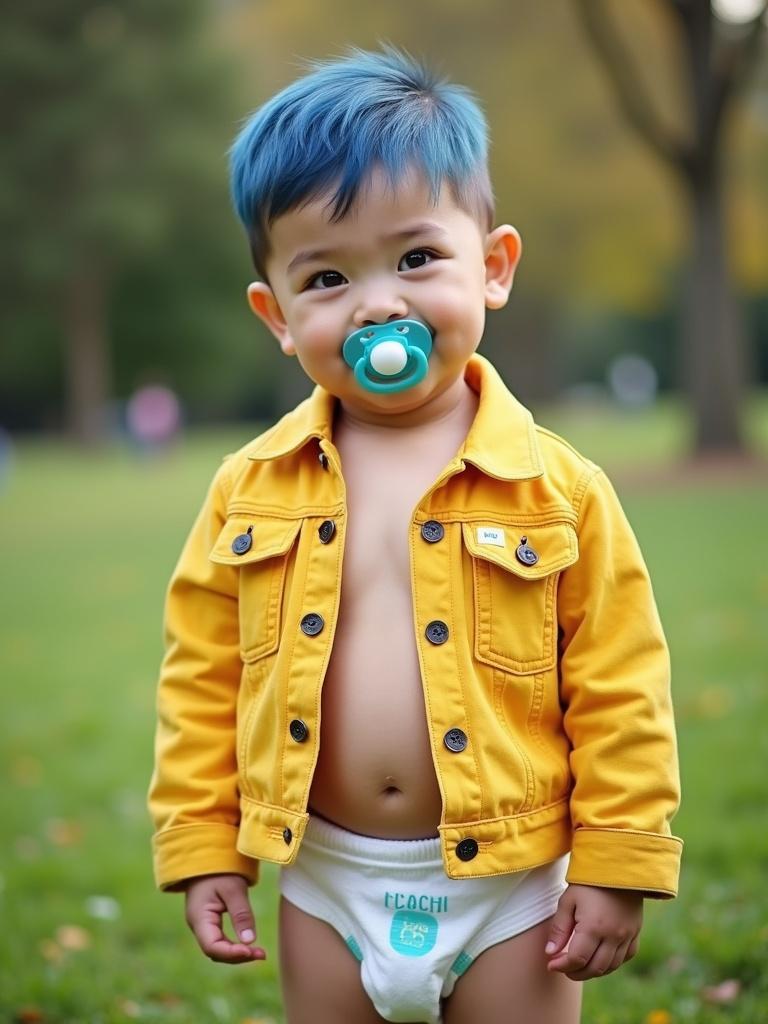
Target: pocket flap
(554,544)
(269,538)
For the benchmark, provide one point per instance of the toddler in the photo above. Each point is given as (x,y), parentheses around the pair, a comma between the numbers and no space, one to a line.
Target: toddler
(413,654)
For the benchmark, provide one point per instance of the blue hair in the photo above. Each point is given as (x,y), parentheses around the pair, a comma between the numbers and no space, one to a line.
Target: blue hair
(326,132)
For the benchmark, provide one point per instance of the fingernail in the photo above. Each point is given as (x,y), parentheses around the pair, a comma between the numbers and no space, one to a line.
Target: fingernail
(247,935)
(550,947)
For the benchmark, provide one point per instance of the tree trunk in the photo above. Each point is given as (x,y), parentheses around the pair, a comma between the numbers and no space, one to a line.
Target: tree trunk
(88,361)
(713,360)
(713,370)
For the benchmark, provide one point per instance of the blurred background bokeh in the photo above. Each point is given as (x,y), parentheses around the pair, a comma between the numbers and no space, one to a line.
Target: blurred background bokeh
(630,149)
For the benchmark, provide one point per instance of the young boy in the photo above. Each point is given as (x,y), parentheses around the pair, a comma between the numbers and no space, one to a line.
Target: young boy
(413,653)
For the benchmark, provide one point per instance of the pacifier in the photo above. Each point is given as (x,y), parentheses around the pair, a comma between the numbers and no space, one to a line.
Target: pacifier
(389,357)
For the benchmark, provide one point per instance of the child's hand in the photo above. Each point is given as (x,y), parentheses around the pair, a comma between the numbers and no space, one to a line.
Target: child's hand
(207,899)
(602,926)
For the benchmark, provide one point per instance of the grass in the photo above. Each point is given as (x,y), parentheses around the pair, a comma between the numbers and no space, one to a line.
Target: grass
(86,547)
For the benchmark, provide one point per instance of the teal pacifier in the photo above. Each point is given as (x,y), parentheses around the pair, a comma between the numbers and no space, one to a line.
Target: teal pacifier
(389,357)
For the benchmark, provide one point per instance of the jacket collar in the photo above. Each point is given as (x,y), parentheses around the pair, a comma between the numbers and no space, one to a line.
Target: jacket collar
(501,441)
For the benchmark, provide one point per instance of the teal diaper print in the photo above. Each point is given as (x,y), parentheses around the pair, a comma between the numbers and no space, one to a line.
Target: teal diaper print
(413,933)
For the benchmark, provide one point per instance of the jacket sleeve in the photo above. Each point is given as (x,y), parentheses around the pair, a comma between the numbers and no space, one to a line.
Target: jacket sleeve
(193,795)
(615,688)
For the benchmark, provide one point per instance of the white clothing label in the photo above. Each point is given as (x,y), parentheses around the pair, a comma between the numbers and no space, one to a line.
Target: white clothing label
(491,535)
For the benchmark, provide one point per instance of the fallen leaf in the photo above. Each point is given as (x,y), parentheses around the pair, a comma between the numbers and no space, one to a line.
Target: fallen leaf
(129,1007)
(29,1015)
(72,937)
(727,991)
(63,833)
(659,1017)
(169,999)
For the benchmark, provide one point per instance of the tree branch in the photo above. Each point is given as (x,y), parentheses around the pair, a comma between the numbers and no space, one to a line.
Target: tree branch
(632,98)
(732,73)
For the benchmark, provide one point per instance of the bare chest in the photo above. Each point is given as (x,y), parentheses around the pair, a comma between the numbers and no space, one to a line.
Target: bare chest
(382,495)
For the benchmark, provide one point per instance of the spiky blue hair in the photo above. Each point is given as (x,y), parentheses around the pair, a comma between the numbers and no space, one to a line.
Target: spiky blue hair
(325,133)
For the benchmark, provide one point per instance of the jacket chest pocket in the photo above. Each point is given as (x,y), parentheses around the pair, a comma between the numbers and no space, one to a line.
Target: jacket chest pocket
(515,571)
(262,561)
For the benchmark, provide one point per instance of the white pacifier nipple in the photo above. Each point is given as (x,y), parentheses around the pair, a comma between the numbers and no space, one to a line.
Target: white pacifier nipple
(388,357)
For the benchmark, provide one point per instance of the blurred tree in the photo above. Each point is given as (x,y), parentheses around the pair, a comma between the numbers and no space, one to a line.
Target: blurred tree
(118,115)
(717,58)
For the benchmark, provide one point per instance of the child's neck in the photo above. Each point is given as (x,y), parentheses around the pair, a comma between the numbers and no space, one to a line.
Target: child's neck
(453,408)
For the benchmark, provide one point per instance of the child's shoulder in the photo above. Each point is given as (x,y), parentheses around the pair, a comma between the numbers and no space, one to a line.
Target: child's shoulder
(567,472)
(291,431)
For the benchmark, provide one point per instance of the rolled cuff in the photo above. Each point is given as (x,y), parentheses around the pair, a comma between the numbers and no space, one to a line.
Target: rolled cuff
(621,859)
(186,851)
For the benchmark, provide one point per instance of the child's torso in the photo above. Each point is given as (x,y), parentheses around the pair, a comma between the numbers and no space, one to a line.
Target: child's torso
(375,773)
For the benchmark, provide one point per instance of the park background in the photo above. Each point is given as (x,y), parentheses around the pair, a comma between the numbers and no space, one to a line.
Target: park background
(630,148)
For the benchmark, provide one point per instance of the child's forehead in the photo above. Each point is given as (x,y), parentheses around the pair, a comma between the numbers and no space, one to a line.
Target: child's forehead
(382,211)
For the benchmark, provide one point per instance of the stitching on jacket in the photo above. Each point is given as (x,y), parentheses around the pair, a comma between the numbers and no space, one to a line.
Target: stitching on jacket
(457,660)
(582,486)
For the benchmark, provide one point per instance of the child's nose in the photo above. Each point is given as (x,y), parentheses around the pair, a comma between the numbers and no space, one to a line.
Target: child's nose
(379,306)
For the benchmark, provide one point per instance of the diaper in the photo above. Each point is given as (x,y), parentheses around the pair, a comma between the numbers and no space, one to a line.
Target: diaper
(413,929)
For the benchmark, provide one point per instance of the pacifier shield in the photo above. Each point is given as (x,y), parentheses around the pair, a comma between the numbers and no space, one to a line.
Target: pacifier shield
(389,357)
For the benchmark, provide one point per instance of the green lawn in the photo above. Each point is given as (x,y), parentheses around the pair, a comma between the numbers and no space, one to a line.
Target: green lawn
(86,547)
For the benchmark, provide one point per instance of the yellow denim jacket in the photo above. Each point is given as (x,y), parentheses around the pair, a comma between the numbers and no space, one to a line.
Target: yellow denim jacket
(537,634)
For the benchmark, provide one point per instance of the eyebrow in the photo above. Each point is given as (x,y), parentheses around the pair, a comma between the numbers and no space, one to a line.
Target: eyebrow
(425,229)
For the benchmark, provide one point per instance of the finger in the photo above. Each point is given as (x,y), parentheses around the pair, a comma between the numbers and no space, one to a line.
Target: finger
(238,906)
(632,951)
(561,925)
(620,956)
(598,965)
(579,952)
(215,944)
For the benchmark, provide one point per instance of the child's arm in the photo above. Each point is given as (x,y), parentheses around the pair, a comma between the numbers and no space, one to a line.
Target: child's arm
(208,899)
(194,797)
(615,690)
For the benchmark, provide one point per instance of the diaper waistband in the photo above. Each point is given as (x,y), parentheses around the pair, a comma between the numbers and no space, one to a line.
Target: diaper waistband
(323,834)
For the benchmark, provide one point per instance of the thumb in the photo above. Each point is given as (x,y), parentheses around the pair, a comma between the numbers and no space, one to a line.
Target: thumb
(234,893)
(561,926)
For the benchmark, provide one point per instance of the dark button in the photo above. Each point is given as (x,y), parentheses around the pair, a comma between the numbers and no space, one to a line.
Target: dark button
(323,460)
(432,531)
(288,835)
(326,530)
(456,740)
(242,542)
(437,632)
(312,624)
(298,730)
(466,849)
(525,554)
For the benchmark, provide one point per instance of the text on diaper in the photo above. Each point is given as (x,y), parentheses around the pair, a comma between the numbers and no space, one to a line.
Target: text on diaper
(410,901)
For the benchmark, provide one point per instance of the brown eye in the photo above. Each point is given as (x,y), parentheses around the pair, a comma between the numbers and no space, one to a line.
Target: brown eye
(327,279)
(415,259)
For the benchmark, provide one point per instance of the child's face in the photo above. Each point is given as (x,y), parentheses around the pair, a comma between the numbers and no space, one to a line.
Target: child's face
(395,255)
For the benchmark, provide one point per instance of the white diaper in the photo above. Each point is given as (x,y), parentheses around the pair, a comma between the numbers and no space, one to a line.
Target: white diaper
(413,929)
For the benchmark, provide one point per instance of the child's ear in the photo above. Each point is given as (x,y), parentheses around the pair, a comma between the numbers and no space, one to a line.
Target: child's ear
(262,301)
(502,254)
